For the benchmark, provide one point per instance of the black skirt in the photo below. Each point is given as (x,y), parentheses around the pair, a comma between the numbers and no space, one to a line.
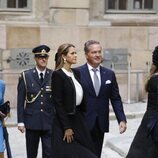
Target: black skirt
(143,145)
(82,145)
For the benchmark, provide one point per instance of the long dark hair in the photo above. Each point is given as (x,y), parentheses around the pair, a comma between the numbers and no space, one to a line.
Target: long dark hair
(62,50)
(154,66)
(153,70)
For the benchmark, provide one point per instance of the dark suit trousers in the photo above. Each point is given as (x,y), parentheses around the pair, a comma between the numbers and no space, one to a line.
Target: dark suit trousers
(32,142)
(97,137)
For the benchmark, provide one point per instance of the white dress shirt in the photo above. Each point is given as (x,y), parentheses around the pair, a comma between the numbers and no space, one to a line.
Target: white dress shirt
(38,71)
(92,73)
(78,88)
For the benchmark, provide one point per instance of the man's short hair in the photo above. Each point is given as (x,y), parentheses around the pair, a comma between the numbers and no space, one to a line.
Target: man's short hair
(88,43)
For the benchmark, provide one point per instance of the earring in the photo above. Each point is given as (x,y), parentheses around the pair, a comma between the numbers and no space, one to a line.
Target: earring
(64,61)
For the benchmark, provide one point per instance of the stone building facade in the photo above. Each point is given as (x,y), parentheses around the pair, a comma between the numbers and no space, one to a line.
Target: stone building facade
(130,25)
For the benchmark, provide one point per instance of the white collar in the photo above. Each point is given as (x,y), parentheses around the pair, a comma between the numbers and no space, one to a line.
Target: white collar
(38,71)
(90,67)
(68,73)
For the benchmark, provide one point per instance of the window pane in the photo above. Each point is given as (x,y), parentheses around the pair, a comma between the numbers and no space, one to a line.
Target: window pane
(131,5)
(11,4)
(137,4)
(122,4)
(22,4)
(112,4)
(148,4)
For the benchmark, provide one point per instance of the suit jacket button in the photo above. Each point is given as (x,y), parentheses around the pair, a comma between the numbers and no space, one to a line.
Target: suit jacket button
(41,103)
(42,95)
(41,110)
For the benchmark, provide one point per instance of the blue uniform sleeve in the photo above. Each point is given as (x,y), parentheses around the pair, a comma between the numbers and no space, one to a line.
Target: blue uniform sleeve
(2,91)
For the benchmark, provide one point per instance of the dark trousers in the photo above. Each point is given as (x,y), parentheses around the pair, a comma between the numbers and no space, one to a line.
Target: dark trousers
(97,137)
(32,142)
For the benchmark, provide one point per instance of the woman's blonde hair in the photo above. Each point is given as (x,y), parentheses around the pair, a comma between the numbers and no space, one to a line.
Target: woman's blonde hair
(62,50)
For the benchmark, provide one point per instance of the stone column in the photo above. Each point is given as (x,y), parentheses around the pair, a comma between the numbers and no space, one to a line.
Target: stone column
(97,9)
(69,12)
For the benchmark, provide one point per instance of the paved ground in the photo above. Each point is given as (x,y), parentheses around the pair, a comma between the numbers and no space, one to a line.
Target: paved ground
(115,145)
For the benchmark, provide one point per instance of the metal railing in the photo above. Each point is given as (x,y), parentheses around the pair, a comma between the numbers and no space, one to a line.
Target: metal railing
(11,79)
(137,73)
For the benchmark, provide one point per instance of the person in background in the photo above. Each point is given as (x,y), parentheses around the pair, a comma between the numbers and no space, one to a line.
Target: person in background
(100,86)
(2,116)
(34,104)
(145,142)
(71,138)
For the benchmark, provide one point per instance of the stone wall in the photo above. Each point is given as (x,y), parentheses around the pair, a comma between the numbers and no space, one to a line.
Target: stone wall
(54,22)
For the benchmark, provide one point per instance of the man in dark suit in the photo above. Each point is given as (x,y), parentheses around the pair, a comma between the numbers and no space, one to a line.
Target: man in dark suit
(34,104)
(100,87)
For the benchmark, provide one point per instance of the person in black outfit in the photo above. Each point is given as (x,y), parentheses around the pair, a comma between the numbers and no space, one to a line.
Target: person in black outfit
(145,142)
(71,138)
(34,104)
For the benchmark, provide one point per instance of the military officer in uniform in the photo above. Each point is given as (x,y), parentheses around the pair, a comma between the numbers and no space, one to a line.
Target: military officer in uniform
(34,104)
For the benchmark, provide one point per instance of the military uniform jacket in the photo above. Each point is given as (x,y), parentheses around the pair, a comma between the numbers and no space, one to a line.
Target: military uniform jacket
(34,100)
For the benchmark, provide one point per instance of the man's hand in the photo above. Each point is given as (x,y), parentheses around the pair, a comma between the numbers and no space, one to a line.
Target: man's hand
(21,129)
(122,127)
(68,135)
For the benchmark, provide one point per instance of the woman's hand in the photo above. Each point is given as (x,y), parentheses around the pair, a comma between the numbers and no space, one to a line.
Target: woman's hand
(68,135)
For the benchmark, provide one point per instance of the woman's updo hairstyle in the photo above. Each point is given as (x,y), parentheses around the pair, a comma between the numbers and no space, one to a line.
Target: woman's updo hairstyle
(62,50)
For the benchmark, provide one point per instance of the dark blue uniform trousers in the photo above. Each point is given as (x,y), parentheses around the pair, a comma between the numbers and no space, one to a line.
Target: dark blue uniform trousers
(32,143)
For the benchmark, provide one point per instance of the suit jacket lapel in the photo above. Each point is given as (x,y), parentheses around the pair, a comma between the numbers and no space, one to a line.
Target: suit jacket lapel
(35,75)
(88,81)
(46,76)
(103,78)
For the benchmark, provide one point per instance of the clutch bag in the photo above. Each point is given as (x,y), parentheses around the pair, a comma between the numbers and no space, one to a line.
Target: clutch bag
(5,108)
